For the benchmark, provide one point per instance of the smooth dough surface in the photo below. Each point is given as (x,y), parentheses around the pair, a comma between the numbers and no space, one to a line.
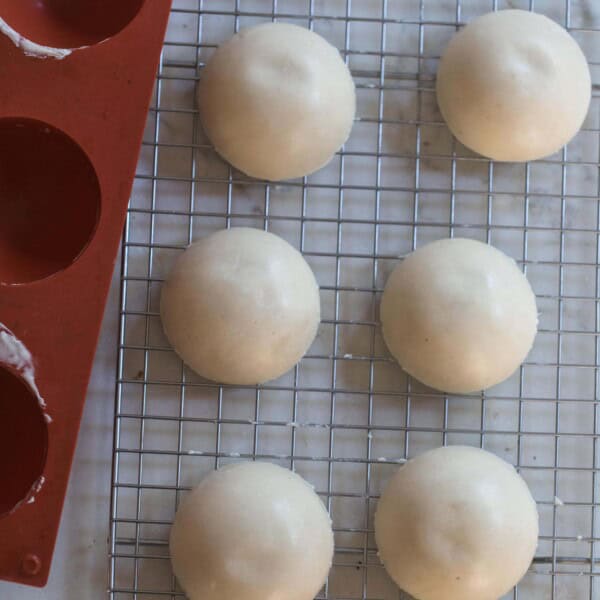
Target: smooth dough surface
(277,101)
(252,531)
(456,523)
(458,315)
(241,306)
(513,86)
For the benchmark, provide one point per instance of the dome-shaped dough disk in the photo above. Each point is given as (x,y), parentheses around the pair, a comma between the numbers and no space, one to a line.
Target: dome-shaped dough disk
(456,523)
(252,531)
(458,315)
(277,101)
(241,306)
(513,86)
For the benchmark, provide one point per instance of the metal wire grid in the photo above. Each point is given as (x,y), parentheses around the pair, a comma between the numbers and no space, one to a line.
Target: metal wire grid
(346,416)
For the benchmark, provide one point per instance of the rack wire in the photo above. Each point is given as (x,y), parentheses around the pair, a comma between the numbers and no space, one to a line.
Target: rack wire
(347,416)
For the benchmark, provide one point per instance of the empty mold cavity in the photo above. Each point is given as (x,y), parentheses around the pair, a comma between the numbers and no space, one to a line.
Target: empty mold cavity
(23,442)
(66,23)
(49,200)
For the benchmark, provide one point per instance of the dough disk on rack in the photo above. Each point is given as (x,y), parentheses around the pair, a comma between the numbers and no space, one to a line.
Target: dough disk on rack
(513,86)
(241,306)
(456,523)
(458,315)
(252,531)
(277,101)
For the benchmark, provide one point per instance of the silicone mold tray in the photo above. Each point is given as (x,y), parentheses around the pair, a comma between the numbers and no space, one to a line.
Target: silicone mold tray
(70,132)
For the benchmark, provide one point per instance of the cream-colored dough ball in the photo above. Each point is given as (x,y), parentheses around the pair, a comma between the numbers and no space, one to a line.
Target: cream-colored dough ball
(241,306)
(252,531)
(456,523)
(458,315)
(513,86)
(277,101)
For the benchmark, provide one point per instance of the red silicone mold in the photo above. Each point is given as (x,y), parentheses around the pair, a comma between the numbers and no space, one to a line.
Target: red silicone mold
(70,132)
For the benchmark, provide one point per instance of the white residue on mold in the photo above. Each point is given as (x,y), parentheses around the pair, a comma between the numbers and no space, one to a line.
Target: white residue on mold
(558,501)
(31,48)
(16,355)
(36,488)
(39,484)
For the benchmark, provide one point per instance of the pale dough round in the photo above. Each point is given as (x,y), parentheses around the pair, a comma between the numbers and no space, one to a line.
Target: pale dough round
(277,101)
(252,531)
(513,86)
(456,523)
(458,315)
(241,306)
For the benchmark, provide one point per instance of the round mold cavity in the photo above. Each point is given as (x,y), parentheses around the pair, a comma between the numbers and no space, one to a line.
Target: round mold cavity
(69,23)
(23,441)
(49,200)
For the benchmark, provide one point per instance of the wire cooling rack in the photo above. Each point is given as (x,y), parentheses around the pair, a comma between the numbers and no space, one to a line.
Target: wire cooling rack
(347,415)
